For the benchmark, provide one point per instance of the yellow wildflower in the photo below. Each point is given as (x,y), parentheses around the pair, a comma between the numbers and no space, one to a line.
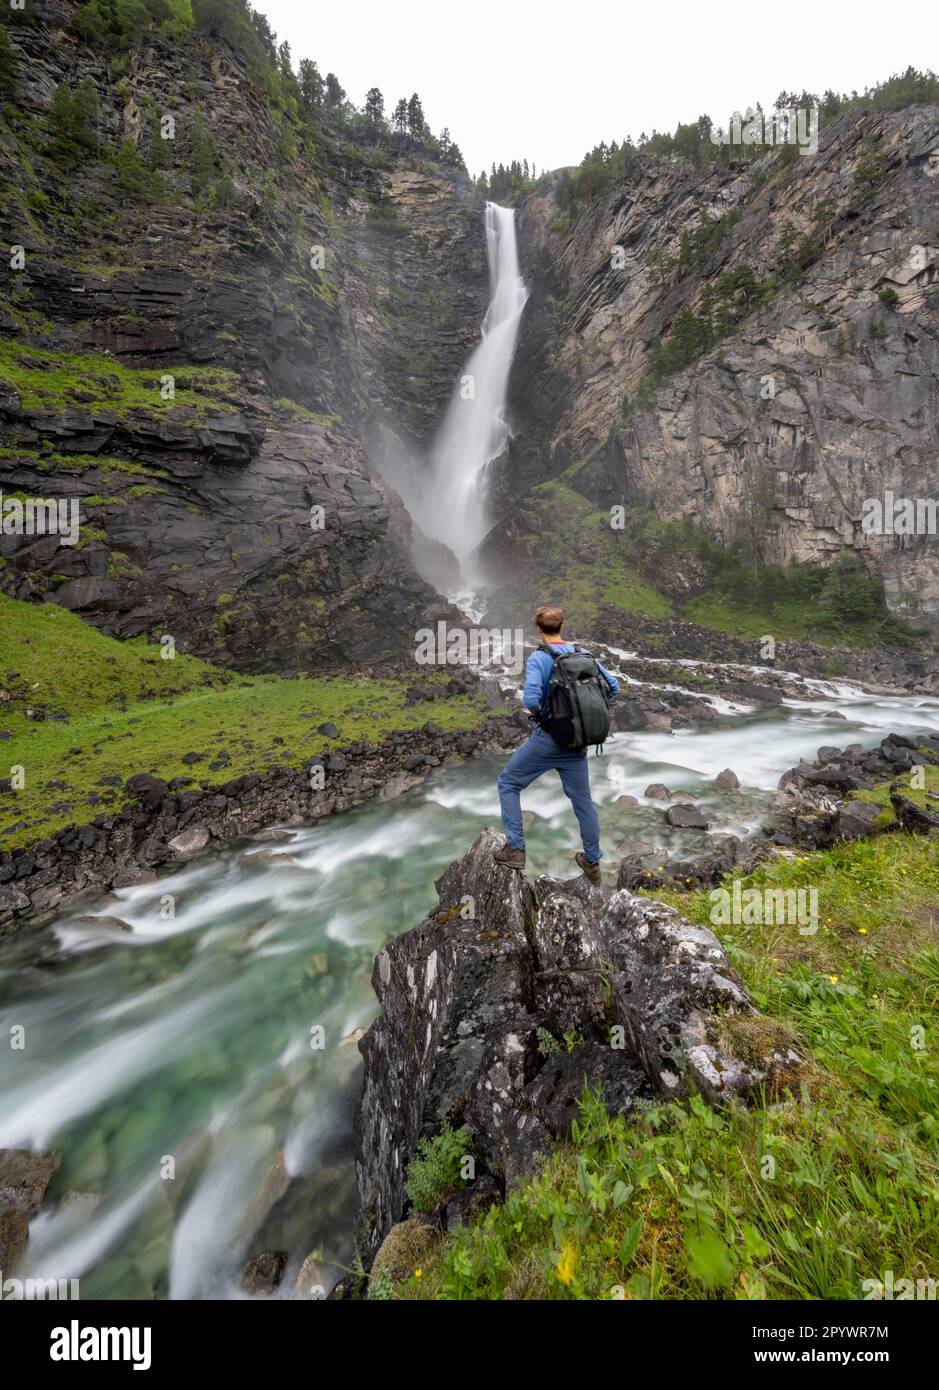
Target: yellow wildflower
(567,1264)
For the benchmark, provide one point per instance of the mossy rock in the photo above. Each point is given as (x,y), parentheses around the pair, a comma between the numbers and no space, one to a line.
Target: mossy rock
(404,1248)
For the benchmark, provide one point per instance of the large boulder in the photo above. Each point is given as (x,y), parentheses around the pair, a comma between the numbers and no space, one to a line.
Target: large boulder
(509,998)
(24,1177)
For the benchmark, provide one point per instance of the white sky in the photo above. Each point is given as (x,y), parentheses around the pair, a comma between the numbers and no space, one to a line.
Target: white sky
(548,79)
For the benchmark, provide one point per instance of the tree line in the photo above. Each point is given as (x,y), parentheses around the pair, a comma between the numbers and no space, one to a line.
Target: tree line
(298,96)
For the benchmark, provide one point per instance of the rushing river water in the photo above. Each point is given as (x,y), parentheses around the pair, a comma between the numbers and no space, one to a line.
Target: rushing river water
(184,1046)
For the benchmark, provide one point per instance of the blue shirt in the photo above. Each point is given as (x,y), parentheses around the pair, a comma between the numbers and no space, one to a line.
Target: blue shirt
(538,676)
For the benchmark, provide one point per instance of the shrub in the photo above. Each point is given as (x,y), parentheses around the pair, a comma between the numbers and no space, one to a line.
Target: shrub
(434,1172)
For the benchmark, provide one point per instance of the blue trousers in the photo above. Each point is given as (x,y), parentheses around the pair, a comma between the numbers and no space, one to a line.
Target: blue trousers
(538,755)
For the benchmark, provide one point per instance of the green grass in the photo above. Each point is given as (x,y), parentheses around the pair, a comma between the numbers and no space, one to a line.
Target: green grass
(790,618)
(565,527)
(131,711)
(53,381)
(801,1197)
(310,417)
(880,795)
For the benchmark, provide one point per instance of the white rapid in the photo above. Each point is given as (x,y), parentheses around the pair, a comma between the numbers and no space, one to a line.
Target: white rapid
(474,431)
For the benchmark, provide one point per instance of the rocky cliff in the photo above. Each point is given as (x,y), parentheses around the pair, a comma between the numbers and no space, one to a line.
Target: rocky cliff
(820,390)
(509,998)
(208,340)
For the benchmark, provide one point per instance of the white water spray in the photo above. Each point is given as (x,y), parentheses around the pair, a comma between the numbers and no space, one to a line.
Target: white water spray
(474,431)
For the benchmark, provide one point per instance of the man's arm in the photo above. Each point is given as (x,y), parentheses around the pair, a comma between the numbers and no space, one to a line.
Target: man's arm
(611,680)
(533,689)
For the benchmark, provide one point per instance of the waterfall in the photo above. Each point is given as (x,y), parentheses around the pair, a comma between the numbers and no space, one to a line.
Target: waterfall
(474,431)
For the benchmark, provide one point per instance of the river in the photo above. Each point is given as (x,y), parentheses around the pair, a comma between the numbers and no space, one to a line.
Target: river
(177,1067)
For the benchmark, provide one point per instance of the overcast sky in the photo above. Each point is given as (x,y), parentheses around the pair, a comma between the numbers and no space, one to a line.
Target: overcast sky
(548,79)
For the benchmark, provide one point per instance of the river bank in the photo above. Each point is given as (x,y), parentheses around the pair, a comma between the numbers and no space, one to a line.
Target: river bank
(190,1034)
(168,823)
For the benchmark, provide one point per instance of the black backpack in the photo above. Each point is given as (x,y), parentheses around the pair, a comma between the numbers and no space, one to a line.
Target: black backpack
(578,704)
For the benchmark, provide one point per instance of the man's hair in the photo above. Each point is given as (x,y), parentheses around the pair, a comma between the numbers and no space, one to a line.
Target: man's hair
(549,619)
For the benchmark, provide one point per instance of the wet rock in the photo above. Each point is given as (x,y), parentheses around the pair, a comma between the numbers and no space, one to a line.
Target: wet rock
(473,1201)
(109,923)
(404,1248)
(189,842)
(398,784)
(625,800)
(149,791)
(684,817)
(14,1234)
(912,817)
(727,780)
(263,1273)
(856,820)
(311,1282)
(24,1177)
(328,730)
(657,791)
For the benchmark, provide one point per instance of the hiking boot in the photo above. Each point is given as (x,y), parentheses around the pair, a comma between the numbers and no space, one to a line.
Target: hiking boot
(511,858)
(591,870)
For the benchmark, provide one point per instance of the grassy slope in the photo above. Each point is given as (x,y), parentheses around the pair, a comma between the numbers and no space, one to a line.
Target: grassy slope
(801,1198)
(591,564)
(51,381)
(566,524)
(131,711)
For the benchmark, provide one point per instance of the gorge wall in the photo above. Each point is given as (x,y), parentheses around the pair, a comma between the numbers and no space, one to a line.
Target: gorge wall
(196,258)
(821,393)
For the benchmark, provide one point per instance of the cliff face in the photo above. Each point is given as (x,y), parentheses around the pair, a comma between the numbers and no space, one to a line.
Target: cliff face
(822,392)
(211,337)
(474,1003)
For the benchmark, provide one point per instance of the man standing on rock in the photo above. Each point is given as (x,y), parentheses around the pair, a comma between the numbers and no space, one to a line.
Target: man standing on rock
(541,752)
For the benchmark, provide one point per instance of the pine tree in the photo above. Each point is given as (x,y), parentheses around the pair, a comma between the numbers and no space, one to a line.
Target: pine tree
(417,125)
(400,118)
(335,94)
(375,107)
(73,121)
(9,64)
(311,84)
(133,177)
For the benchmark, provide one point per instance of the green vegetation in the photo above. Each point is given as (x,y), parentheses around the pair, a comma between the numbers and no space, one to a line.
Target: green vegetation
(801,1197)
(837,604)
(507,185)
(434,1173)
(73,121)
(9,65)
(129,710)
(133,176)
(49,381)
(592,564)
(880,795)
(738,593)
(119,24)
(692,142)
(592,574)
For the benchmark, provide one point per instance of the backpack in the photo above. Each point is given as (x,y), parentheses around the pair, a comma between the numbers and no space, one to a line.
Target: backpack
(578,707)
